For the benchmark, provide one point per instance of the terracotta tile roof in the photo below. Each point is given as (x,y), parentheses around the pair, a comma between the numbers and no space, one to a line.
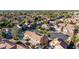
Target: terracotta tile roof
(58,43)
(2,46)
(33,36)
(69,29)
(20,46)
(58,47)
(9,44)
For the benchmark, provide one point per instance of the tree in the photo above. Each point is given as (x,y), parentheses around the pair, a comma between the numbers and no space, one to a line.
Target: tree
(3,35)
(23,21)
(71,45)
(6,24)
(15,32)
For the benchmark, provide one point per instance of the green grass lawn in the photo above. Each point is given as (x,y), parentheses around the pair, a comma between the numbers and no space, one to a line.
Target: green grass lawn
(77,37)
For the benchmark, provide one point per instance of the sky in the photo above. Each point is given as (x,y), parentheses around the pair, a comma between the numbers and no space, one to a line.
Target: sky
(39,4)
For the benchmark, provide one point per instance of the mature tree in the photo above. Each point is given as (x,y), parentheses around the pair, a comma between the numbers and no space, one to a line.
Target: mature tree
(71,45)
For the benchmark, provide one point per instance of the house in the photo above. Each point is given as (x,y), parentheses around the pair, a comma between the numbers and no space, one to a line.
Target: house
(58,29)
(39,23)
(77,45)
(75,17)
(59,17)
(68,20)
(20,46)
(15,21)
(61,24)
(6,44)
(51,23)
(69,29)
(59,35)
(35,38)
(10,45)
(2,44)
(58,44)
(45,26)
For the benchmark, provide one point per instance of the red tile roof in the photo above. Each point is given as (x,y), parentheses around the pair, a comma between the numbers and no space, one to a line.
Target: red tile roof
(33,36)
